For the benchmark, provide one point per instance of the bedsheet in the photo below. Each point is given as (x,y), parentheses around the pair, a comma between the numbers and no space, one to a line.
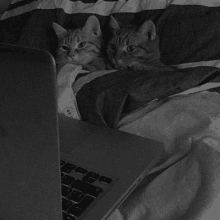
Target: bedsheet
(182,112)
(185,184)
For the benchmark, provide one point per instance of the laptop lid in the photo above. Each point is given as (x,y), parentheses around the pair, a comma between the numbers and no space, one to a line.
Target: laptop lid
(29,151)
(30,155)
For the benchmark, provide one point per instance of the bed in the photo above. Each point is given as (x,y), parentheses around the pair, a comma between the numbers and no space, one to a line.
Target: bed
(180,108)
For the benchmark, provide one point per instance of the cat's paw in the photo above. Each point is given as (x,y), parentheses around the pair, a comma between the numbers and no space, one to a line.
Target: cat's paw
(89,68)
(109,66)
(148,67)
(136,67)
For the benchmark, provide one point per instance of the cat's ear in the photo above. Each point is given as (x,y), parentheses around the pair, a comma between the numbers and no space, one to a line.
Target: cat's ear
(60,31)
(149,29)
(92,25)
(113,25)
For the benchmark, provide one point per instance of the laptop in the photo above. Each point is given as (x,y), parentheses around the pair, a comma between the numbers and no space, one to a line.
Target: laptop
(53,167)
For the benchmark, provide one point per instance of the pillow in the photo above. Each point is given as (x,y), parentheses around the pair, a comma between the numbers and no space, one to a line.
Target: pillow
(29,22)
(188,33)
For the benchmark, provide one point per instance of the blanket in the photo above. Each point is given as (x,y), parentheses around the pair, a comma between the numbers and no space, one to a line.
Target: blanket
(117,94)
(179,107)
(184,184)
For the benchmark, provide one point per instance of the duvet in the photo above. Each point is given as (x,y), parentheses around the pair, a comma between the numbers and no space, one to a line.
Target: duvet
(179,107)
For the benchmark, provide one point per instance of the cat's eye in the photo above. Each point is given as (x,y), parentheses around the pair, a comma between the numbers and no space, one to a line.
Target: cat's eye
(131,48)
(95,33)
(113,47)
(81,45)
(64,47)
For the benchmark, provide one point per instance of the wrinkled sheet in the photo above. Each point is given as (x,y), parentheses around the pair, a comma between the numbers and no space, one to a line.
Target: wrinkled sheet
(107,98)
(185,183)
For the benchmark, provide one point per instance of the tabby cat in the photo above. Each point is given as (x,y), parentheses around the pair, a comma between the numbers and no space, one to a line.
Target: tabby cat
(132,47)
(83,46)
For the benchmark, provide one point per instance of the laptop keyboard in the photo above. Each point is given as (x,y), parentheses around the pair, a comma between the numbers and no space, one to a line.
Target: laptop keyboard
(80,188)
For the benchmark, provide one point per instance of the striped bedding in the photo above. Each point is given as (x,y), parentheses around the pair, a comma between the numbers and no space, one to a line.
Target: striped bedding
(189,33)
(180,108)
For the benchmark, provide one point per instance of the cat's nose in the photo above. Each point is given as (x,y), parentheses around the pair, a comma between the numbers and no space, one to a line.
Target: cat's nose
(71,54)
(120,62)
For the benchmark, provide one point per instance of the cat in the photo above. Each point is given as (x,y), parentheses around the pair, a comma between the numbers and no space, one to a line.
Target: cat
(82,46)
(133,47)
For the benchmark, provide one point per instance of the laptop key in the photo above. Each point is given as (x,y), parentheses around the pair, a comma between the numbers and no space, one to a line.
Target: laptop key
(68,217)
(67,180)
(62,174)
(93,175)
(76,196)
(105,179)
(75,210)
(66,191)
(81,170)
(67,168)
(86,202)
(88,179)
(86,188)
(62,162)
(66,204)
